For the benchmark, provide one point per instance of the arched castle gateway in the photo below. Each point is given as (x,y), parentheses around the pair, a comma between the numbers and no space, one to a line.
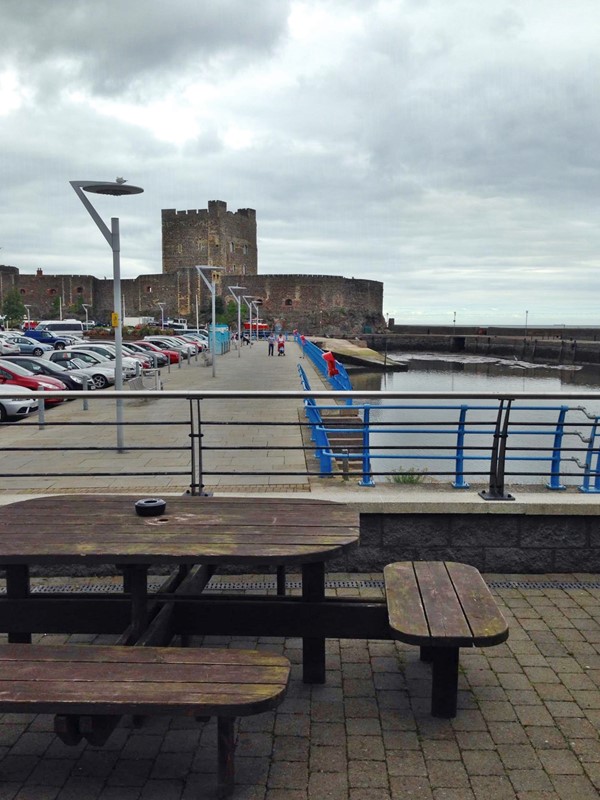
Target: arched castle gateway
(312,303)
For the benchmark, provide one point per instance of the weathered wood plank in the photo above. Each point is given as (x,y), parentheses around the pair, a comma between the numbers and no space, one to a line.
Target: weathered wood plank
(104,529)
(485,619)
(442,607)
(405,608)
(61,679)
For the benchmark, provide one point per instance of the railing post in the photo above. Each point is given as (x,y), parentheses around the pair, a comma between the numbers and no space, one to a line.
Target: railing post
(498,456)
(196,466)
(41,413)
(459,482)
(585,487)
(85,403)
(367,478)
(554,482)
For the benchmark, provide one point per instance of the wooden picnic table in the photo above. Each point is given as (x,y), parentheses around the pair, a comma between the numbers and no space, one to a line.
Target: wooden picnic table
(105,529)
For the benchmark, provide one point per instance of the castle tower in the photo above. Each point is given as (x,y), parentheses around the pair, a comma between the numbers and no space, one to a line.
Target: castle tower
(215,236)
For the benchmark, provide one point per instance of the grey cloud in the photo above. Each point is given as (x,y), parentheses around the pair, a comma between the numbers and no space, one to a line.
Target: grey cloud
(112,46)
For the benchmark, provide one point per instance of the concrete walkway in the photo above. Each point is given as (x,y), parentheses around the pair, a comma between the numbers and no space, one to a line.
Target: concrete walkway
(251,369)
(529,710)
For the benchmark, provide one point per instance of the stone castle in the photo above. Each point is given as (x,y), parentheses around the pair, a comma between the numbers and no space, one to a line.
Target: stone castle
(216,237)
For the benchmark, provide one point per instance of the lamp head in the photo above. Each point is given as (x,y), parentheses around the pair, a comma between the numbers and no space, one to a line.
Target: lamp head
(115,188)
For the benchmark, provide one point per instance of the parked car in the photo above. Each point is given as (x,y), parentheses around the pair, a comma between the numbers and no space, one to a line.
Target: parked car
(199,337)
(15,375)
(130,365)
(102,375)
(174,356)
(20,405)
(42,366)
(92,357)
(7,347)
(47,337)
(166,342)
(27,345)
(155,358)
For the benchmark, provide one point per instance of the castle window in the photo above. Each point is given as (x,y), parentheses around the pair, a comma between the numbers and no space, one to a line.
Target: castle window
(22,291)
(79,290)
(180,248)
(148,290)
(52,291)
(288,302)
(231,247)
(200,245)
(245,249)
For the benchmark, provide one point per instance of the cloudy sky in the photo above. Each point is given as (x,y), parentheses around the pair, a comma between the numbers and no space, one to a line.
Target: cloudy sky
(448,148)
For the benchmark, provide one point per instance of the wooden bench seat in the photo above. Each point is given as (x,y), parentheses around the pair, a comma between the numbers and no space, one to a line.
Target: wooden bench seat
(72,680)
(442,606)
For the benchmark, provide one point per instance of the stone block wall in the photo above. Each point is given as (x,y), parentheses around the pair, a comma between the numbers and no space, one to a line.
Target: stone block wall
(329,304)
(509,543)
(210,236)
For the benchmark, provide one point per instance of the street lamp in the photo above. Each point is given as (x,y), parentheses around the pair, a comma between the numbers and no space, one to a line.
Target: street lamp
(115,188)
(454,324)
(238,300)
(28,315)
(248,298)
(85,307)
(255,304)
(526,321)
(162,314)
(212,288)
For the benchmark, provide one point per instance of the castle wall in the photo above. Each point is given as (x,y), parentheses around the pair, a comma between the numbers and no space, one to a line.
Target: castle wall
(210,236)
(329,304)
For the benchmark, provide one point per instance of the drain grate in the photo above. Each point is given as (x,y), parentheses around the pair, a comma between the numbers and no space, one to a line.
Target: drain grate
(221,584)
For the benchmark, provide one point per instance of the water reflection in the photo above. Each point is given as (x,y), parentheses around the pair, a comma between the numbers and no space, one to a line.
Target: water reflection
(420,435)
(437,374)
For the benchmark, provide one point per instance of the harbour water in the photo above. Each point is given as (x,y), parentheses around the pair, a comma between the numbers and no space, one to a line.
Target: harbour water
(430,449)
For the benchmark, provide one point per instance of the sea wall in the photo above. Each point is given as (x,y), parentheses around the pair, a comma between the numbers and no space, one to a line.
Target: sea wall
(513,543)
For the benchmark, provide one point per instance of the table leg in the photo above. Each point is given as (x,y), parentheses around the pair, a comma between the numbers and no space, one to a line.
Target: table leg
(444,681)
(136,583)
(17,588)
(313,648)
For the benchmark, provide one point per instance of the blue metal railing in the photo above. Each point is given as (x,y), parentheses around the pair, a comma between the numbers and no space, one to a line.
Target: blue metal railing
(508,431)
(339,382)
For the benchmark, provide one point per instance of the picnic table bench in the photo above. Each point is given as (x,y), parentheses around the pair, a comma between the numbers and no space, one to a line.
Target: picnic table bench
(442,606)
(73,680)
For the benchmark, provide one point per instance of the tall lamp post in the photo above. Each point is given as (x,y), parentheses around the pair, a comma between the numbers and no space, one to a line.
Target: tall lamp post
(162,315)
(85,307)
(248,298)
(112,235)
(238,300)
(526,322)
(213,292)
(28,315)
(256,305)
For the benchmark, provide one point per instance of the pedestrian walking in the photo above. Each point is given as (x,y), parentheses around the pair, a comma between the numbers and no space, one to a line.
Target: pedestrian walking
(271,341)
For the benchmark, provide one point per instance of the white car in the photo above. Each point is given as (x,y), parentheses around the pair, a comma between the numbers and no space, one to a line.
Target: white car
(93,357)
(131,366)
(8,348)
(19,404)
(102,375)
(170,343)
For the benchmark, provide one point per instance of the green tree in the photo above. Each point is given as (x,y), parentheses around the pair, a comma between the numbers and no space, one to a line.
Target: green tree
(13,307)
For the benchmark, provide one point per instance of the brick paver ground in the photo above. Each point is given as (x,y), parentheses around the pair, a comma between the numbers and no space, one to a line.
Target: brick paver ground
(527,725)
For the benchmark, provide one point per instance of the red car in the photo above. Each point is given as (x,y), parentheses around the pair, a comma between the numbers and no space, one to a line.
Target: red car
(14,375)
(172,355)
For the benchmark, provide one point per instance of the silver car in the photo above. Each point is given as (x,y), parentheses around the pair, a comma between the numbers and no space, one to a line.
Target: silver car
(19,404)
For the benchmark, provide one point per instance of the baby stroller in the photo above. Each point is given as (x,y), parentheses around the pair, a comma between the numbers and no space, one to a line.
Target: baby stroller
(281,347)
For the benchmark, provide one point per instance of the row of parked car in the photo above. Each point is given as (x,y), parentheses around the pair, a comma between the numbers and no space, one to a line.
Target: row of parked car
(29,364)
